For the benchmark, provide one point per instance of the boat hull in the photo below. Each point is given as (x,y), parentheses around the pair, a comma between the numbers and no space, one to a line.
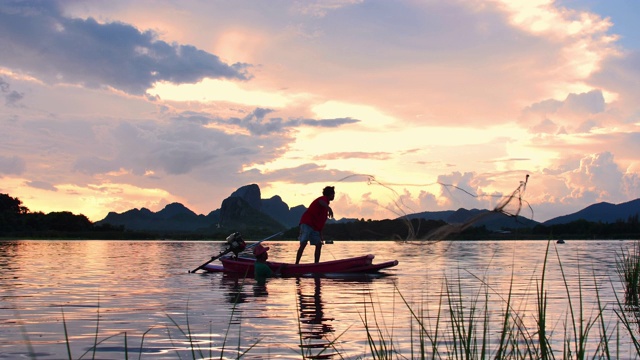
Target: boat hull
(245,266)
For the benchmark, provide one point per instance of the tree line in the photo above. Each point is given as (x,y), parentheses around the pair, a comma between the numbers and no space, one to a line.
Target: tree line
(418,229)
(17,221)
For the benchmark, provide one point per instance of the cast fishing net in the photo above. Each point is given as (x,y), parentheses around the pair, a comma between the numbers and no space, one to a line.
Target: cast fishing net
(510,205)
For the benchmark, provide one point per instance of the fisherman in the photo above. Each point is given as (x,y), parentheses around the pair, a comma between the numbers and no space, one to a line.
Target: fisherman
(262,271)
(312,222)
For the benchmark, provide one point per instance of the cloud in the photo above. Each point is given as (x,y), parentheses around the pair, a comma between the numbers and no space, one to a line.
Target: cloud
(574,183)
(258,125)
(573,113)
(422,60)
(177,148)
(631,185)
(621,76)
(142,152)
(362,207)
(38,39)
(12,97)
(92,165)
(591,102)
(354,155)
(12,165)
(469,187)
(305,174)
(597,178)
(42,185)
(257,122)
(326,123)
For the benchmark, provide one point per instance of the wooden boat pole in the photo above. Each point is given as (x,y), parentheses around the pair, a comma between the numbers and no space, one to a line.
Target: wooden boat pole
(265,239)
(229,250)
(212,259)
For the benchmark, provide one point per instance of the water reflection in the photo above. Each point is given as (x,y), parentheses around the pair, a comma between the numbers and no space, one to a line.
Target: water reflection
(234,288)
(134,286)
(314,325)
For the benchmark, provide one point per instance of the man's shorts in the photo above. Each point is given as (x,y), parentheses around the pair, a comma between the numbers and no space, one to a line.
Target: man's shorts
(308,234)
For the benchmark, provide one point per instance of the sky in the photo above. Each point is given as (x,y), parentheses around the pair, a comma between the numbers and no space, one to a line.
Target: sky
(404,106)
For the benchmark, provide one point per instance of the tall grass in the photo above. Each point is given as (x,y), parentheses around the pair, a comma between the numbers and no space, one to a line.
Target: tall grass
(628,311)
(628,268)
(463,327)
(184,330)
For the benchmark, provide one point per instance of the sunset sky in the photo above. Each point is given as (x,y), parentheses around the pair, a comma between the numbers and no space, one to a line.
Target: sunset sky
(114,105)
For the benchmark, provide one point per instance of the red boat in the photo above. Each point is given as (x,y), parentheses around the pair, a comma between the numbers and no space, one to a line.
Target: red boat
(244,266)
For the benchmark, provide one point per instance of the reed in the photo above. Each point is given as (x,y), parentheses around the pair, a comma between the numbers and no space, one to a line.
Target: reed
(196,351)
(379,341)
(628,269)
(628,311)
(462,329)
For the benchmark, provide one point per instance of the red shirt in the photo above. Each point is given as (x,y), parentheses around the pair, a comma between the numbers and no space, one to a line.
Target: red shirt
(316,215)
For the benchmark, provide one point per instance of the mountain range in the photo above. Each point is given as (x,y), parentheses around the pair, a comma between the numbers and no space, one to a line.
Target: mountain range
(245,210)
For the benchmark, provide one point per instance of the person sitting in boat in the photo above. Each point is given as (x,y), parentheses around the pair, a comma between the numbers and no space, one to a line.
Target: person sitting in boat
(312,222)
(262,271)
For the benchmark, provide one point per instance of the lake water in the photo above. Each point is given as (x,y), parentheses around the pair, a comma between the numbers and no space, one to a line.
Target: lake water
(138,298)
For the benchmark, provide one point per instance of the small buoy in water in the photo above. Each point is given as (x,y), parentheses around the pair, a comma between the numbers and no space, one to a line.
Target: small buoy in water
(560,241)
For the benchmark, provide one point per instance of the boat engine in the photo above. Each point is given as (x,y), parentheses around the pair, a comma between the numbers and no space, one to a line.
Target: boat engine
(235,243)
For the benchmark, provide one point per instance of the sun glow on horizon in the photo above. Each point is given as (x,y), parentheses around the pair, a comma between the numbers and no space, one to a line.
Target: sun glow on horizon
(92,200)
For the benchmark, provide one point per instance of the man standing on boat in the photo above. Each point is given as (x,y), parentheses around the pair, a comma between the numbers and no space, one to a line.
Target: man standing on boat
(313,220)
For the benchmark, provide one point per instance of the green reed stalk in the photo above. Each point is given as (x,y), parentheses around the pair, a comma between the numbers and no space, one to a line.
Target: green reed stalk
(142,342)
(543,341)
(628,268)
(627,323)
(95,346)
(423,332)
(505,323)
(485,327)
(470,329)
(66,335)
(420,336)
(95,338)
(581,328)
(604,337)
(380,348)
(233,311)
(210,340)
(454,319)
(186,334)
(301,342)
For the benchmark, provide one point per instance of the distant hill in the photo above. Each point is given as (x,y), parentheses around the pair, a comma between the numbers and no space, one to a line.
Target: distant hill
(174,217)
(236,214)
(491,220)
(601,212)
(245,210)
